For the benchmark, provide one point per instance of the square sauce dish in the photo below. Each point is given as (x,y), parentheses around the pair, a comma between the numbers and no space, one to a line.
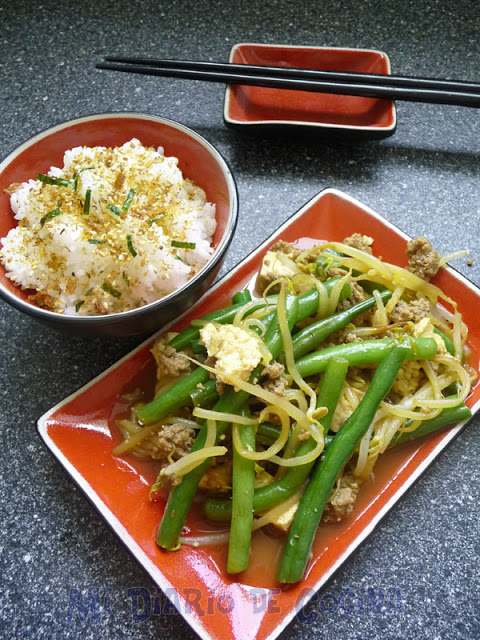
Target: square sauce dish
(261,109)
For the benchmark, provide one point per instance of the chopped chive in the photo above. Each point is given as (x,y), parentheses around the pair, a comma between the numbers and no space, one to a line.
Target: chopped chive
(86,203)
(51,214)
(79,304)
(183,245)
(126,278)
(114,209)
(150,222)
(128,200)
(110,290)
(93,241)
(177,257)
(130,246)
(89,292)
(58,182)
(76,175)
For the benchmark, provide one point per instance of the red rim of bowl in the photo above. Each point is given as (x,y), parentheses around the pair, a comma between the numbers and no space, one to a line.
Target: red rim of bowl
(210,266)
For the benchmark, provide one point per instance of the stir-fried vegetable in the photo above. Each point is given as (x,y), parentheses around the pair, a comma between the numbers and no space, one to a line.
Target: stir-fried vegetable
(267,403)
(312,504)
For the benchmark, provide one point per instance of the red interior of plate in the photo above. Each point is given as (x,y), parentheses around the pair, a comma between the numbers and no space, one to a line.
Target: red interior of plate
(81,433)
(259,104)
(196,161)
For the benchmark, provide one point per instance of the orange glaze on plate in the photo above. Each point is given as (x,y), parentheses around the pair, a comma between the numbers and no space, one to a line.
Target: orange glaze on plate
(78,432)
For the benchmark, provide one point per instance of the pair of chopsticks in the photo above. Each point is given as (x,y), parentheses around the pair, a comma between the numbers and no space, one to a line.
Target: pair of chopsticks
(369,85)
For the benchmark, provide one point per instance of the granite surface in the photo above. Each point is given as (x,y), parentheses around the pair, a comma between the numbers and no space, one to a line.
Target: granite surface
(425,179)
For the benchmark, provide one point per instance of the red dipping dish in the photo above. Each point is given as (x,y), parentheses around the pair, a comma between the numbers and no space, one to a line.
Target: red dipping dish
(272,109)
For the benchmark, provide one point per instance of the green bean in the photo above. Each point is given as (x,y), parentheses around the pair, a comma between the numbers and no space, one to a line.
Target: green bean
(267,433)
(198,387)
(220,510)
(323,264)
(242,297)
(187,389)
(447,416)
(222,316)
(185,337)
(266,497)
(357,354)
(206,393)
(308,302)
(449,346)
(173,399)
(243,485)
(311,507)
(181,496)
(276,492)
(310,337)
(364,353)
(197,347)
(308,306)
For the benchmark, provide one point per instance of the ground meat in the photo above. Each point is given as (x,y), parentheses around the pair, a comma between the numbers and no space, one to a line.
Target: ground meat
(409,378)
(336,271)
(286,248)
(362,319)
(342,499)
(358,295)
(423,260)
(410,312)
(211,361)
(169,362)
(363,243)
(274,381)
(221,386)
(341,337)
(173,442)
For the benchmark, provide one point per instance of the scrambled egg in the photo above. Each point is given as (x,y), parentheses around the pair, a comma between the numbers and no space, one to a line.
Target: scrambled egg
(276,265)
(237,352)
(424,329)
(347,404)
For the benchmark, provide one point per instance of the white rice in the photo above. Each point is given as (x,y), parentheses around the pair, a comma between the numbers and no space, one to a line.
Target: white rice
(108,259)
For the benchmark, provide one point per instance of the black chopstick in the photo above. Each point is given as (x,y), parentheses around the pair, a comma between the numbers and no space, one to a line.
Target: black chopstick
(431,90)
(305,74)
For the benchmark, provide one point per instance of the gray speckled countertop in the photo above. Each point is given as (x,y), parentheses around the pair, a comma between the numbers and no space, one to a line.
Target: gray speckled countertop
(425,179)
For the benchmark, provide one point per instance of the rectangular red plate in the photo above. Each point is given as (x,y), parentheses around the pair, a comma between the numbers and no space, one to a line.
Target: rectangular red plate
(80,433)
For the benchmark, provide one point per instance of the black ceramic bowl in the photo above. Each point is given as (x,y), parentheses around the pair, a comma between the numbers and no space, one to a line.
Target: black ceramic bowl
(198,160)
